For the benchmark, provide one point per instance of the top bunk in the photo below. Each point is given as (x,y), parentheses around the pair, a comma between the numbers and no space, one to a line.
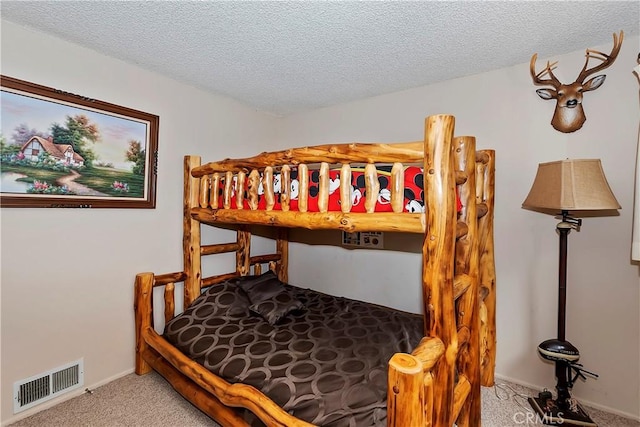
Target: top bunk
(351,187)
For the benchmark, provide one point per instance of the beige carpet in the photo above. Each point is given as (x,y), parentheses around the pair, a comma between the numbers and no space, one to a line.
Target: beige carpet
(149,401)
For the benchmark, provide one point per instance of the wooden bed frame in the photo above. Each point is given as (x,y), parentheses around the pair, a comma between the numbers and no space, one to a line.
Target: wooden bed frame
(439,382)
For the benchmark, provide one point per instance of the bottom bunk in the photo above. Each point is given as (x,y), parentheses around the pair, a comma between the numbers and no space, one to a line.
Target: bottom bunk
(255,351)
(321,358)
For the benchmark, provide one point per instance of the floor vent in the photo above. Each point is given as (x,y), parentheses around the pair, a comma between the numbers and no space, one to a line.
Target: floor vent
(40,388)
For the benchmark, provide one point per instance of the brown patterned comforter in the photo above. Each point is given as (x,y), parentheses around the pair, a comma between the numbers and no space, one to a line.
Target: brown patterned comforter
(325,363)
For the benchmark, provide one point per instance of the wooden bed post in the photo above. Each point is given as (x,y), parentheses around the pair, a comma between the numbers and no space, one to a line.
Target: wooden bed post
(243,253)
(488,273)
(407,403)
(410,385)
(191,232)
(282,248)
(438,255)
(142,307)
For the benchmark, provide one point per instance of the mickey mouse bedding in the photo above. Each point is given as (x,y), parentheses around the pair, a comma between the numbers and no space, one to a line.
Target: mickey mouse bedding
(413,191)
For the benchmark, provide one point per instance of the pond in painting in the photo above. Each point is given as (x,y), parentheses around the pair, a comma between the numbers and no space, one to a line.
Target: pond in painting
(9,183)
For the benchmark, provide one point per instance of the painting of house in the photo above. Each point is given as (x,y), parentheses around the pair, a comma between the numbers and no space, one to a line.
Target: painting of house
(64,153)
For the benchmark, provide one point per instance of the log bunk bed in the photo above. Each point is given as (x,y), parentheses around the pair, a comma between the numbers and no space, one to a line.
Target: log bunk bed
(434,382)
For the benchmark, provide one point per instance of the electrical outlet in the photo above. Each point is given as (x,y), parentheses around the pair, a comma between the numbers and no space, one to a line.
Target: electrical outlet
(364,239)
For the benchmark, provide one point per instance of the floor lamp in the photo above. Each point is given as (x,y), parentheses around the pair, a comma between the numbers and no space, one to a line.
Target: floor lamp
(561,188)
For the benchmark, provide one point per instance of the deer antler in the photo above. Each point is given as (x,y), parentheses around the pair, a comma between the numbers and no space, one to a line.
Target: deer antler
(607,60)
(537,78)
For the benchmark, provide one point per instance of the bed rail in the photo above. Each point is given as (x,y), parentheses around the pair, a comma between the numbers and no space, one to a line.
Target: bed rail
(407,152)
(232,174)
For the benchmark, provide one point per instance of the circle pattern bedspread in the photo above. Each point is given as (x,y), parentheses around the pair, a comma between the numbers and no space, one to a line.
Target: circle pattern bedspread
(325,363)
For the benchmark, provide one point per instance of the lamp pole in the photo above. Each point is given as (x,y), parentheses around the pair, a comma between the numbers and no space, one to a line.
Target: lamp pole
(563,409)
(564,227)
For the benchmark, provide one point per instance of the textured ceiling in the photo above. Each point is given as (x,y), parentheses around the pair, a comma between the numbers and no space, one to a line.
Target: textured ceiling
(290,56)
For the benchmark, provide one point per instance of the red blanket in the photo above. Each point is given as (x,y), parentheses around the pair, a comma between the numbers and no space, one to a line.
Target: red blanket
(413,191)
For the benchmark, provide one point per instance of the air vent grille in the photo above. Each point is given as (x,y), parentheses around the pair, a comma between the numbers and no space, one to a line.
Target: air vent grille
(40,388)
(34,390)
(65,378)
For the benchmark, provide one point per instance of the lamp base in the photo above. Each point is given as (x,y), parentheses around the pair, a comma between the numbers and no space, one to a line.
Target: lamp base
(549,413)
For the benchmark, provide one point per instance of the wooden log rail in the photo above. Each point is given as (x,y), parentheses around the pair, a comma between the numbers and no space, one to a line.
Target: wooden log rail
(351,222)
(146,282)
(169,280)
(219,181)
(256,263)
(270,181)
(207,210)
(217,184)
(406,152)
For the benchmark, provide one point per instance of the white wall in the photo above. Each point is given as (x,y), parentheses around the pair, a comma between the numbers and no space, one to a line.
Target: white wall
(69,297)
(503,111)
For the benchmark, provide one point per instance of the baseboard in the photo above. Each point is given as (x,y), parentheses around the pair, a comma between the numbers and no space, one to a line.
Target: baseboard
(582,401)
(77,393)
(53,402)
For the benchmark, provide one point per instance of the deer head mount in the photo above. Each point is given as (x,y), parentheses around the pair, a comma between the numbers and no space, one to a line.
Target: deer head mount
(569,114)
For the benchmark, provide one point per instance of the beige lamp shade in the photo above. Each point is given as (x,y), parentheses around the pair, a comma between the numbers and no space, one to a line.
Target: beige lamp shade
(571,185)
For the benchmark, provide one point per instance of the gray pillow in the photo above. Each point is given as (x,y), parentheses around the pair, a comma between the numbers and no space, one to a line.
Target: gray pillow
(276,308)
(260,288)
(269,297)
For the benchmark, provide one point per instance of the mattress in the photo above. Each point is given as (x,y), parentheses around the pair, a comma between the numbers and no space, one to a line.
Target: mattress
(323,361)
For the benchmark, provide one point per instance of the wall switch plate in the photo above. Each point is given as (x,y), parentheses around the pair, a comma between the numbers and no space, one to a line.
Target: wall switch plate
(364,239)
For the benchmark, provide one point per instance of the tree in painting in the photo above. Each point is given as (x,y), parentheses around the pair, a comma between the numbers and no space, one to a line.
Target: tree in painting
(78,133)
(136,155)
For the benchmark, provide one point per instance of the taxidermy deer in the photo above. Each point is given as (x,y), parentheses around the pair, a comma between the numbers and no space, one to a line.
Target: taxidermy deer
(569,114)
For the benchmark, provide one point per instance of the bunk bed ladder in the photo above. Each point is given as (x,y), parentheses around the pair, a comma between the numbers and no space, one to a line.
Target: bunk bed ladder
(466,405)
(444,372)
(485,182)
(474,281)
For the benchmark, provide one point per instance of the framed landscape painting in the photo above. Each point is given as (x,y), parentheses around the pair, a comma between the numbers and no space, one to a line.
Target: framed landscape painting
(59,149)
